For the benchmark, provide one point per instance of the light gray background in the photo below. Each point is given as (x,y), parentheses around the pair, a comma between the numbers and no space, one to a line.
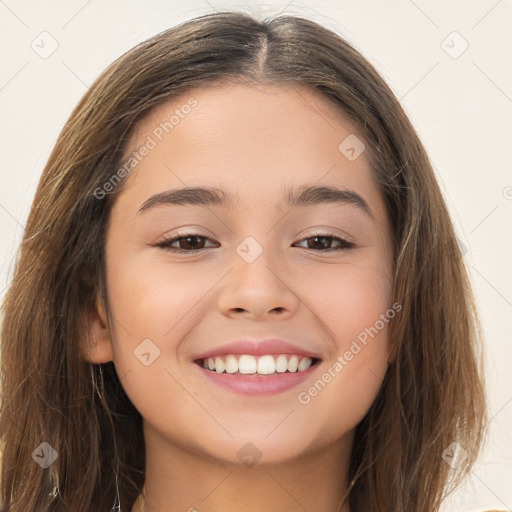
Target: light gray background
(461,107)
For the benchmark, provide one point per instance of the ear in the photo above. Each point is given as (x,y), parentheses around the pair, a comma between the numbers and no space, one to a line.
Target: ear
(99,345)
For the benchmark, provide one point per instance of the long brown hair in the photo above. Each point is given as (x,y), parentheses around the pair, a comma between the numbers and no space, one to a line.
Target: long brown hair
(432,395)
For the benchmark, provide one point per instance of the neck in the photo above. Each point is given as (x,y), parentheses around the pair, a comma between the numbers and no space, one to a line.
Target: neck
(178,480)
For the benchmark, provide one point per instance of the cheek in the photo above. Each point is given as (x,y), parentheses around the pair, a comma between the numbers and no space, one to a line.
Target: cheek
(154,300)
(355,306)
(152,310)
(149,298)
(348,297)
(357,310)
(336,402)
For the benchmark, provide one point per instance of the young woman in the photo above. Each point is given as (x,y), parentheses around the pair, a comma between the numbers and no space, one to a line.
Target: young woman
(239,288)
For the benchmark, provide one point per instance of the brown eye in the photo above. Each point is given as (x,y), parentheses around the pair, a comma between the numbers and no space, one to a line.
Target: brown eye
(324,243)
(191,243)
(184,243)
(320,242)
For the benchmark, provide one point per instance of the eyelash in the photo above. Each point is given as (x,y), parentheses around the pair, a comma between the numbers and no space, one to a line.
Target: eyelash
(166,243)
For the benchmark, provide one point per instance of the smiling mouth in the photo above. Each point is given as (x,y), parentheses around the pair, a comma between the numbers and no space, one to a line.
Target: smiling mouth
(257,366)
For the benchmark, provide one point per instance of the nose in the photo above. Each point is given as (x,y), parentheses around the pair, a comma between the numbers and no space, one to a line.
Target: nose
(258,290)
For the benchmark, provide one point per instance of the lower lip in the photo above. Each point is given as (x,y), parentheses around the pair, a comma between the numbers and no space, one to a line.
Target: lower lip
(255,385)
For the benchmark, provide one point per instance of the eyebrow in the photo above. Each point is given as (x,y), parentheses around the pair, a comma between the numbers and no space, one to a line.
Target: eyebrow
(211,196)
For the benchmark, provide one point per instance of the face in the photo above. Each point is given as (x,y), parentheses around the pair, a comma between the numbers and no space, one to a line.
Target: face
(244,271)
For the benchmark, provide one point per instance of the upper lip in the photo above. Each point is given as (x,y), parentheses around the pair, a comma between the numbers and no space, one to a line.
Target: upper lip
(262,347)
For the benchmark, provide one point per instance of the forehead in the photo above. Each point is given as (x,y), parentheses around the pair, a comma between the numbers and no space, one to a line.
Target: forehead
(241,115)
(252,140)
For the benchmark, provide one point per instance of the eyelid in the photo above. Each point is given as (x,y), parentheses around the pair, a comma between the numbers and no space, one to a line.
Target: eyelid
(347,243)
(331,232)
(183,233)
(165,242)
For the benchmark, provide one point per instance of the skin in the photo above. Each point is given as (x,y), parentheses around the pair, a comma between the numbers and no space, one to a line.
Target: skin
(253,141)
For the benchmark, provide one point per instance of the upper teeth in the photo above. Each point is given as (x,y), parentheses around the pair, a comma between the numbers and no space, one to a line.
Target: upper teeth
(263,365)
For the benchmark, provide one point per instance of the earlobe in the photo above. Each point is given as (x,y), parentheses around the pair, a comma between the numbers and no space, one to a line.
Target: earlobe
(99,343)
(100,310)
